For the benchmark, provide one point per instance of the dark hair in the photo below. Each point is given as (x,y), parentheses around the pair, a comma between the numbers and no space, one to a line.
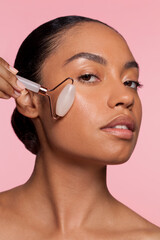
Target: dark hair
(40,43)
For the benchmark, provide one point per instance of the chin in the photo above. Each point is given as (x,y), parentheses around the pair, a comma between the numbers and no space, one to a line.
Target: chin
(112,157)
(117,153)
(117,161)
(113,160)
(102,158)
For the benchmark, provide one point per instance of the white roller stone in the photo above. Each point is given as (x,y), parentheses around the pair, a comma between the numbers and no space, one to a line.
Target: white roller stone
(65,100)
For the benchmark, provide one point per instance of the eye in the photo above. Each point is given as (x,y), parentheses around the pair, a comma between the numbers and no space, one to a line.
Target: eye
(132,84)
(88,78)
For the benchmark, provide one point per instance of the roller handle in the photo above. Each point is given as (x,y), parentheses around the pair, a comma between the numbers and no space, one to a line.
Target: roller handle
(30,85)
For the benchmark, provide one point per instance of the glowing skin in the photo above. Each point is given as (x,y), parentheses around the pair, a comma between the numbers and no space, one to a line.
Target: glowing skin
(95,103)
(66,196)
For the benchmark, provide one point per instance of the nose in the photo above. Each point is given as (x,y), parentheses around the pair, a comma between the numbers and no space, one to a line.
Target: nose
(121,96)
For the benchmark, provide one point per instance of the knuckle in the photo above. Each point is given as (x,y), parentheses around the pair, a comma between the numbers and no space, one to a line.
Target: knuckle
(11,77)
(3,62)
(10,90)
(6,88)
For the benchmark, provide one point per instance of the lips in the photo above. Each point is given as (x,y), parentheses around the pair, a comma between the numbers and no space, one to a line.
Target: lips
(122,120)
(122,126)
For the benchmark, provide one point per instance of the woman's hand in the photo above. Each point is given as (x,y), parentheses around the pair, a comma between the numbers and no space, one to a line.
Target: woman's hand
(9,85)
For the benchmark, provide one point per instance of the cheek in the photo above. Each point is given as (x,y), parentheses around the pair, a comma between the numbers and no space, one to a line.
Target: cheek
(78,133)
(72,131)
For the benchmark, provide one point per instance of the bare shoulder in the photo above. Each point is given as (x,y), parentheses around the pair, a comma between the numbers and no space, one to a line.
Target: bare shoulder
(144,229)
(5,215)
(151,232)
(131,225)
(14,221)
(9,202)
(8,198)
(155,235)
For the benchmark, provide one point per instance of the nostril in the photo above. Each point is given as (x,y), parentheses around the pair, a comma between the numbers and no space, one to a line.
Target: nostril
(126,105)
(118,104)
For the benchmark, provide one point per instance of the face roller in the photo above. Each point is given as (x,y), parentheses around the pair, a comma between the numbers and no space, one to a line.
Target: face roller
(64,100)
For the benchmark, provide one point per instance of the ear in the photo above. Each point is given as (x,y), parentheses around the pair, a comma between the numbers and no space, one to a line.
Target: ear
(27,104)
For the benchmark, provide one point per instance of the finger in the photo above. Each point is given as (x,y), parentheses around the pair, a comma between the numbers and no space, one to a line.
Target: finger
(4,63)
(6,72)
(7,66)
(13,70)
(11,78)
(4,96)
(7,89)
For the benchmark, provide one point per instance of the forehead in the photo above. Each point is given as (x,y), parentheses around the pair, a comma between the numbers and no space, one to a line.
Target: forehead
(93,37)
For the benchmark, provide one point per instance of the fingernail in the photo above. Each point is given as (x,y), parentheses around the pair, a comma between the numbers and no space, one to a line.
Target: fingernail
(13,70)
(20,84)
(17,93)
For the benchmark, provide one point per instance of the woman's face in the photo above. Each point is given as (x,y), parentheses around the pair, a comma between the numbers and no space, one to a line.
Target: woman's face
(104,121)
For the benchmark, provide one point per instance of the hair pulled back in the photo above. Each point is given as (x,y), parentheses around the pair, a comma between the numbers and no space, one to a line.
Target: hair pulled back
(40,43)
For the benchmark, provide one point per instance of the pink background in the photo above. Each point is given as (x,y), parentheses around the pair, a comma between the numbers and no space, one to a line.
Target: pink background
(137,182)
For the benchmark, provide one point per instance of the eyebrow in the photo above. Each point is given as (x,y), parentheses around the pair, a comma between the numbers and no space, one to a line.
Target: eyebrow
(89,56)
(98,59)
(131,64)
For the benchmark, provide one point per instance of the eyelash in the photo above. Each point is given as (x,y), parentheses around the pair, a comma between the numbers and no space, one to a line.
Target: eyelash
(129,82)
(126,83)
(80,78)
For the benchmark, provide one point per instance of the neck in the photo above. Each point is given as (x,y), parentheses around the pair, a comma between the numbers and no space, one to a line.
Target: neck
(73,194)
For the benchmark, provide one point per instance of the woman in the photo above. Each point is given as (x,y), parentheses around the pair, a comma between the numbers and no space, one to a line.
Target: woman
(66,197)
